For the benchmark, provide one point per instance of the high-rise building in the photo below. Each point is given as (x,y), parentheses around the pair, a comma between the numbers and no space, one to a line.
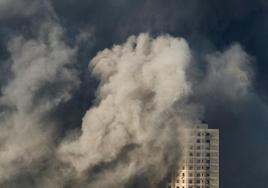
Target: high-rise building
(199,166)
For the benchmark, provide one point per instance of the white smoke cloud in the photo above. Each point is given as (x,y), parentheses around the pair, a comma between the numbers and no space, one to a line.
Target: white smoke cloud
(229,74)
(41,80)
(147,95)
(136,117)
(135,129)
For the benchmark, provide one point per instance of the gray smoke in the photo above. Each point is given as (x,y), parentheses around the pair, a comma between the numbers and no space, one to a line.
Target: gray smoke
(41,79)
(143,103)
(135,129)
(23,9)
(228,75)
(150,89)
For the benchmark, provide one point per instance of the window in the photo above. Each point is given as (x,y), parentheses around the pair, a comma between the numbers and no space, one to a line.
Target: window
(207,141)
(198,140)
(208,154)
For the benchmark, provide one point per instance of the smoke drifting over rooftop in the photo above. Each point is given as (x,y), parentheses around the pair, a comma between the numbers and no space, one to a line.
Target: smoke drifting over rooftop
(80,108)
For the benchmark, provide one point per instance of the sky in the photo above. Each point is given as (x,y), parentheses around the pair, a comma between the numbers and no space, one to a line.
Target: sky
(91,91)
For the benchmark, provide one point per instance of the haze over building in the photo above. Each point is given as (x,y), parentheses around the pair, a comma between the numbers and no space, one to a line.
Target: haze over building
(199,167)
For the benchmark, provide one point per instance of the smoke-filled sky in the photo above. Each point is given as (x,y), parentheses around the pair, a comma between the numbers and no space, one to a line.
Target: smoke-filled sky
(97,93)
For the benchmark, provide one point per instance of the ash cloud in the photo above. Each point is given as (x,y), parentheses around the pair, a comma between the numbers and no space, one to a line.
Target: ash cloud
(148,89)
(41,79)
(133,134)
(140,83)
(145,98)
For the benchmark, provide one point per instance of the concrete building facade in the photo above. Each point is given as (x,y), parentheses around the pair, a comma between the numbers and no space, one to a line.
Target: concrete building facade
(199,167)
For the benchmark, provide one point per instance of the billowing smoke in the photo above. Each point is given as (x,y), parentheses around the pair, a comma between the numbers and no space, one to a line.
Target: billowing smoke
(149,90)
(134,129)
(120,122)
(42,78)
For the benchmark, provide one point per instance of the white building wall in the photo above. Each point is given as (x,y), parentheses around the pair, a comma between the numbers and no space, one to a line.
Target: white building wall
(199,167)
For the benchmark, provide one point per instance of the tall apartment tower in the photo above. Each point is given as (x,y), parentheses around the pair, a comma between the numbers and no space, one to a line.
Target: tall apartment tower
(199,167)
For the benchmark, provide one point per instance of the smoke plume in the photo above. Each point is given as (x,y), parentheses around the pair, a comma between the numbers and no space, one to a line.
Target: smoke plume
(149,90)
(75,114)
(42,79)
(143,103)
(134,129)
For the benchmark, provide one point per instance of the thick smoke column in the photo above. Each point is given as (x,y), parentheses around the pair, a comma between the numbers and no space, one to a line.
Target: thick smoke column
(150,90)
(135,127)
